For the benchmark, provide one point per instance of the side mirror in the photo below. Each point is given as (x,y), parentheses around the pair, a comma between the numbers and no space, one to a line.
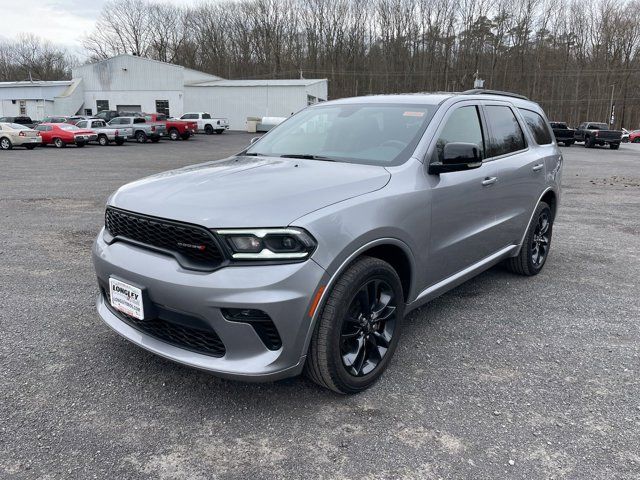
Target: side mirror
(254,140)
(456,157)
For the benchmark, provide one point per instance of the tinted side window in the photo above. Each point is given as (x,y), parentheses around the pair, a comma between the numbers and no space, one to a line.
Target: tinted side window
(507,136)
(538,127)
(462,126)
(139,120)
(205,116)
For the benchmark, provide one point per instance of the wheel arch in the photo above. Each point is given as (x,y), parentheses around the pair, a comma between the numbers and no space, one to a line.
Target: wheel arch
(550,197)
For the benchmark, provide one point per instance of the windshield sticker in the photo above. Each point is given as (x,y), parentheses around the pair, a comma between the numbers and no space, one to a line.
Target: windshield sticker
(413,114)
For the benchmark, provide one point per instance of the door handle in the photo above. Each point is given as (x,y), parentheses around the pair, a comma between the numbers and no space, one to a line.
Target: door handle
(538,167)
(489,181)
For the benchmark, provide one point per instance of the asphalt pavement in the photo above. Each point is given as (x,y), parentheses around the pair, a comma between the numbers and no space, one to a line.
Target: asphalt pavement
(503,377)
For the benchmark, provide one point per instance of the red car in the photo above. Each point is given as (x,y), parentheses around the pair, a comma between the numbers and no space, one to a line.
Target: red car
(175,128)
(634,137)
(63,134)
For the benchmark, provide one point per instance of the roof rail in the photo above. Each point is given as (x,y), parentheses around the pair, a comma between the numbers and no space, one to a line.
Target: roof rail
(482,91)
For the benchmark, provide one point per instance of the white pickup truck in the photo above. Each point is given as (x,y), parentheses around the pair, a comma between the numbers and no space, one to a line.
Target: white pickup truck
(106,133)
(207,123)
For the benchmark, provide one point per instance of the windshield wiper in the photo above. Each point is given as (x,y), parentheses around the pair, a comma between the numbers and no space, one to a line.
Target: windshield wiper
(305,156)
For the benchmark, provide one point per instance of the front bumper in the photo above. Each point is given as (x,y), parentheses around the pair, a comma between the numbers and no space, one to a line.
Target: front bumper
(284,292)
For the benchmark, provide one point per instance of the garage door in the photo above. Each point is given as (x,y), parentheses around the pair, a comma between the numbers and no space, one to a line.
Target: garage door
(129,108)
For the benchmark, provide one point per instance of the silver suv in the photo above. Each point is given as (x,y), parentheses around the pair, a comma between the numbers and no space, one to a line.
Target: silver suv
(305,251)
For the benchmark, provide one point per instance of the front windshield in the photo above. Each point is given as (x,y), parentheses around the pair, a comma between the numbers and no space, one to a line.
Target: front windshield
(67,126)
(373,134)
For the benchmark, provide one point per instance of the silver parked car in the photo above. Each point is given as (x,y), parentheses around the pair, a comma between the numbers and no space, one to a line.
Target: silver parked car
(17,135)
(305,251)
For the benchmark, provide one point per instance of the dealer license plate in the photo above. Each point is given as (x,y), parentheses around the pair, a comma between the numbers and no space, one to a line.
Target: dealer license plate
(126,298)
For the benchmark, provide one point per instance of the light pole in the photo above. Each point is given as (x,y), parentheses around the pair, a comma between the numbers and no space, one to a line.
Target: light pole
(611,120)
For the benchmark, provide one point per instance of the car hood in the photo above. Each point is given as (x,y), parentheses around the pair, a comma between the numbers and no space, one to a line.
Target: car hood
(248,191)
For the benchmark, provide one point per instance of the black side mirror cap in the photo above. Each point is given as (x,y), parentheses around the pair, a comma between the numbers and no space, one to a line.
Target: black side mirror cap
(456,157)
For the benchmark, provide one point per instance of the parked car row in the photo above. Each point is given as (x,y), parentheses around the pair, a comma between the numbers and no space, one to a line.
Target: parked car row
(105,128)
(592,134)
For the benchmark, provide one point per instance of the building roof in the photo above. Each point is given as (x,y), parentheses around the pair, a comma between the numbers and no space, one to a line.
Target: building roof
(36,83)
(260,83)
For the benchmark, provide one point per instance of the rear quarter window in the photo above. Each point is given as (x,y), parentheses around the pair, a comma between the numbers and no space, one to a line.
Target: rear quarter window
(537,126)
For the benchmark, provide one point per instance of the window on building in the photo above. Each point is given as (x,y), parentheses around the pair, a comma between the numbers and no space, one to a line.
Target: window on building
(311,100)
(162,106)
(88,112)
(506,131)
(23,107)
(102,105)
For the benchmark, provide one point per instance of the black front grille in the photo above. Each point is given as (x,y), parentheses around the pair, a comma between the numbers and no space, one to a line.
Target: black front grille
(193,246)
(197,340)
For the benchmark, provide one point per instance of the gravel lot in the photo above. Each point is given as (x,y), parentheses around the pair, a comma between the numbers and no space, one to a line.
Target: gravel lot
(504,377)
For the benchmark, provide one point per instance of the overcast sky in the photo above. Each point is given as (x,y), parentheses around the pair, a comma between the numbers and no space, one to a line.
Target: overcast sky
(61,21)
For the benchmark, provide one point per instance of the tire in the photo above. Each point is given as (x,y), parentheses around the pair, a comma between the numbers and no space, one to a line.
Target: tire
(208,129)
(155,140)
(141,137)
(174,134)
(338,341)
(220,132)
(30,147)
(103,140)
(119,141)
(614,146)
(185,136)
(568,144)
(5,144)
(59,143)
(525,263)
(80,144)
(588,142)
(636,140)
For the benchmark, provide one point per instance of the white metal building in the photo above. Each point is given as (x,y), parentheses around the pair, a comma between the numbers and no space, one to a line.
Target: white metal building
(33,99)
(131,83)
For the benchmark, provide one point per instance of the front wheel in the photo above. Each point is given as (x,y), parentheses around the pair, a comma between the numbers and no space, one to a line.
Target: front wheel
(358,328)
(103,140)
(614,146)
(141,137)
(537,242)
(208,129)
(174,134)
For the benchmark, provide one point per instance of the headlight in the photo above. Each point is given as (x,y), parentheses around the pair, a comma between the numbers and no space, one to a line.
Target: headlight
(268,243)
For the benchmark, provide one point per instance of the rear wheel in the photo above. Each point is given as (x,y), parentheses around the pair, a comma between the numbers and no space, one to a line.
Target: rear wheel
(185,136)
(636,140)
(103,140)
(568,144)
(208,129)
(589,142)
(536,245)
(119,141)
(80,144)
(30,147)
(174,134)
(358,328)
(5,144)
(614,146)
(155,140)
(59,143)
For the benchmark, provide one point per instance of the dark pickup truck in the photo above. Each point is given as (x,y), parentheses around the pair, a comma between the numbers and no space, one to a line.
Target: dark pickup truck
(596,133)
(26,121)
(563,133)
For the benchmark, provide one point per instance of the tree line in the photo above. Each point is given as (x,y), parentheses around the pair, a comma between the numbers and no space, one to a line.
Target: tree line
(571,56)
(29,57)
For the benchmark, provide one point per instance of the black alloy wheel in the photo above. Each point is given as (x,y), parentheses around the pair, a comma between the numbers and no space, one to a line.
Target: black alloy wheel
(357,328)
(541,239)
(368,327)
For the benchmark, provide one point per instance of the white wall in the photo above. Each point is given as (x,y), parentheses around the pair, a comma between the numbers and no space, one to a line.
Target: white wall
(146,99)
(36,109)
(238,103)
